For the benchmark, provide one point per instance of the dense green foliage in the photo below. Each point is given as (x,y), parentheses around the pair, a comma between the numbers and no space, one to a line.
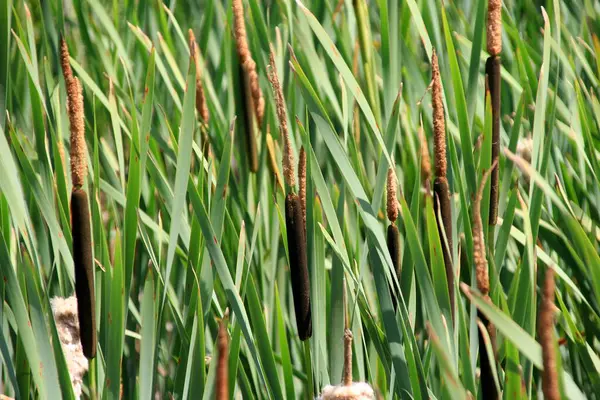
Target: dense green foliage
(179,237)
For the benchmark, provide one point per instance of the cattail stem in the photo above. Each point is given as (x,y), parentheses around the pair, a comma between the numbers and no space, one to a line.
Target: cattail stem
(222,381)
(347,379)
(393,244)
(296,239)
(550,385)
(84,271)
(492,69)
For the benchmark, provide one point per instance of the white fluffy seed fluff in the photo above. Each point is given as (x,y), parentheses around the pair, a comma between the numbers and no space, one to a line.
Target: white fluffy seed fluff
(355,391)
(67,325)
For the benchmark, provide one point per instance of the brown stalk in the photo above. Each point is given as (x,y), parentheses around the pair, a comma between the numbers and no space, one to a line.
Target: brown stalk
(222,381)
(550,385)
(442,205)
(347,379)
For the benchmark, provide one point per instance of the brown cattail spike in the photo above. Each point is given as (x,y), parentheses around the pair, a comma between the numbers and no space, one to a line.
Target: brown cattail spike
(550,385)
(302,182)
(492,69)
(479,256)
(64,61)
(288,153)
(347,379)
(298,265)
(439,123)
(425,158)
(494,27)
(201,106)
(246,60)
(392,200)
(222,384)
(84,271)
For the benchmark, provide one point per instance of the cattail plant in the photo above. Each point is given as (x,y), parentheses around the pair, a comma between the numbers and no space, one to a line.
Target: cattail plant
(222,383)
(294,215)
(80,214)
(67,325)
(443,210)
(250,89)
(550,385)
(488,384)
(492,71)
(393,235)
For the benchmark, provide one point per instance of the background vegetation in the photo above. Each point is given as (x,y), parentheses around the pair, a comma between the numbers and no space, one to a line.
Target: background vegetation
(179,237)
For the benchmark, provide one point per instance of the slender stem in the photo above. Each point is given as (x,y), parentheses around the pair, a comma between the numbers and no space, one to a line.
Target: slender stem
(308,370)
(93,380)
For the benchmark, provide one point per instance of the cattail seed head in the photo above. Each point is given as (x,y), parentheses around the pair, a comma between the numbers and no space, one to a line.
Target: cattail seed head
(550,385)
(392,199)
(494,27)
(296,239)
(302,182)
(479,255)
(288,153)
(246,60)
(67,326)
(425,158)
(84,271)
(222,384)
(201,106)
(439,123)
(64,61)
